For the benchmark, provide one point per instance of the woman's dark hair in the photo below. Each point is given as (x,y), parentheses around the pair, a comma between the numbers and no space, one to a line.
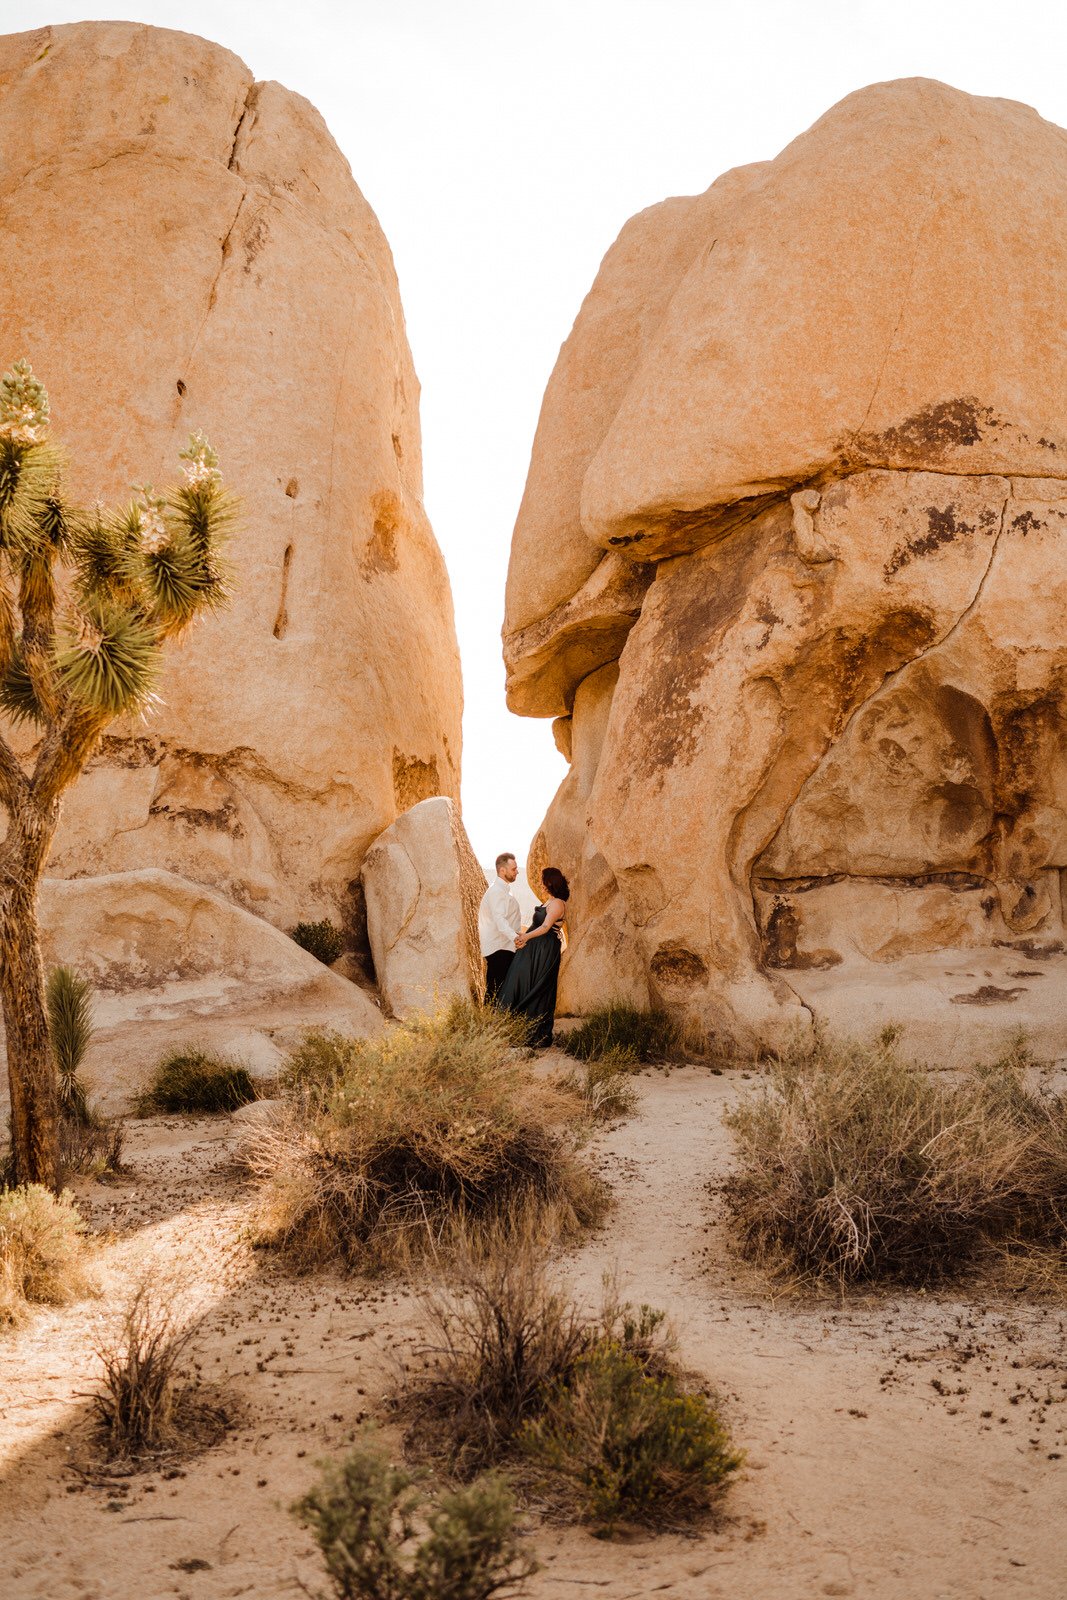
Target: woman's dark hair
(556,883)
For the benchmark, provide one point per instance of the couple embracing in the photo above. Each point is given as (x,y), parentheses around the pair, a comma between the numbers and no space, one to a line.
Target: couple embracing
(521,968)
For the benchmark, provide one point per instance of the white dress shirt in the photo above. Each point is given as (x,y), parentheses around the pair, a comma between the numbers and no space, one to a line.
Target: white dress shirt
(499,918)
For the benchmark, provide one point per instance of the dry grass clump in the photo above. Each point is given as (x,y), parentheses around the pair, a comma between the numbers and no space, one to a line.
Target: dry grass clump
(625,1035)
(603,1085)
(319,1062)
(192,1080)
(505,1339)
(856,1164)
(91,1145)
(503,1336)
(393,1144)
(146,1405)
(42,1250)
(366,1515)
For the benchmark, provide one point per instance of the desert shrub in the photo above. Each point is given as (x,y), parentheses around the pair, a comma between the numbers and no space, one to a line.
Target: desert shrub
(426,1129)
(193,1080)
(512,1028)
(593,1404)
(629,1445)
(365,1515)
(70,1027)
(320,939)
(42,1250)
(625,1035)
(603,1085)
(146,1405)
(855,1163)
(504,1341)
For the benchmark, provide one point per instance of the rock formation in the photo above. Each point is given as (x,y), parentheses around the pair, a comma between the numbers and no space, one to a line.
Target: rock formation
(184,247)
(422,885)
(172,962)
(790,572)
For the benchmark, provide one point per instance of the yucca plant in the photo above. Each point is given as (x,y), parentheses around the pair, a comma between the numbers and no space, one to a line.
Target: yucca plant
(70,1028)
(74,655)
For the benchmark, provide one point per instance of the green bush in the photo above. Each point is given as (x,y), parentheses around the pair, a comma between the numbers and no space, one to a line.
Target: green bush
(856,1164)
(394,1145)
(70,1027)
(631,1446)
(642,1332)
(194,1081)
(365,1515)
(320,939)
(594,1401)
(42,1250)
(626,1036)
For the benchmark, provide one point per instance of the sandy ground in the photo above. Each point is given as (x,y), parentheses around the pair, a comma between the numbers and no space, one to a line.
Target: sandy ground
(913,1447)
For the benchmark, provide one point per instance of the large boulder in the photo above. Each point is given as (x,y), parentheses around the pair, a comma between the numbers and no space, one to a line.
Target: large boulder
(794,594)
(173,963)
(423,885)
(185,247)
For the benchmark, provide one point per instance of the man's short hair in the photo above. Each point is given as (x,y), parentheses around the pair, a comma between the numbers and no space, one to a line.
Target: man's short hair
(502,861)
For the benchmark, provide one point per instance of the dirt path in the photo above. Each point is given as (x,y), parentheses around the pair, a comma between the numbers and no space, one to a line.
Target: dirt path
(914,1447)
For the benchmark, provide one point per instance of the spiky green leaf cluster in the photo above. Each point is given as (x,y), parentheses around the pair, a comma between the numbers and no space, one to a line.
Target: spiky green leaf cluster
(17,698)
(70,1029)
(141,572)
(108,658)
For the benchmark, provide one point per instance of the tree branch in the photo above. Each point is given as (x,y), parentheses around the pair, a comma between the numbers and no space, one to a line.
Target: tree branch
(37,604)
(67,746)
(13,781)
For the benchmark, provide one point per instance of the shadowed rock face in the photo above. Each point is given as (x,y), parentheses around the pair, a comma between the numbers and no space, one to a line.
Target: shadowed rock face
(791,570)
(183,248)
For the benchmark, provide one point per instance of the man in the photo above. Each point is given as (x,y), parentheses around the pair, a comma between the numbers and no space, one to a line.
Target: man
(499,924)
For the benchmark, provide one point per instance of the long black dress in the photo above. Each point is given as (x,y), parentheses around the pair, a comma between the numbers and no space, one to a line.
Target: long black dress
(530,986)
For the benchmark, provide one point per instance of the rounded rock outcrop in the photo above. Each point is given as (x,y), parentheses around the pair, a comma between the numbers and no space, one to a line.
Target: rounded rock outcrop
(792,584)
(185,247)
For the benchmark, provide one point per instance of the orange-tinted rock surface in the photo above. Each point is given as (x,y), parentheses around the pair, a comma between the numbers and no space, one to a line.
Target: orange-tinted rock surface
(794,586)
(184,247)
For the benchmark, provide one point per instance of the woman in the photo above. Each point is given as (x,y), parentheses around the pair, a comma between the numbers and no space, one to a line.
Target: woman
(530,986)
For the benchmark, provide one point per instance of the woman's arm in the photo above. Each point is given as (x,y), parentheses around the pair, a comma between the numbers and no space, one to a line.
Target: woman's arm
(554,910)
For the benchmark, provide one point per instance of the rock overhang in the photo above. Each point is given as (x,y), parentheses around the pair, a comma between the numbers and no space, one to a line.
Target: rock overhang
(875,296)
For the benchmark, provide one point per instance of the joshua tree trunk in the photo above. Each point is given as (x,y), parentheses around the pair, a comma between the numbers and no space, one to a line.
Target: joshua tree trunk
(140,575)
(31,1071)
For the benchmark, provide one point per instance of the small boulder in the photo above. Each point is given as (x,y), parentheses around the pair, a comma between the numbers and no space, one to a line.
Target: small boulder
(423,885)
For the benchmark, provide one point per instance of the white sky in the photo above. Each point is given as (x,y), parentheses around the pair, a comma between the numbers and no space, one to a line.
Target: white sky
(503,143)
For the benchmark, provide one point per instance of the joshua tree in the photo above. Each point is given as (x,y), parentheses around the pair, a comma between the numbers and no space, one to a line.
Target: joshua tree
(71,661)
